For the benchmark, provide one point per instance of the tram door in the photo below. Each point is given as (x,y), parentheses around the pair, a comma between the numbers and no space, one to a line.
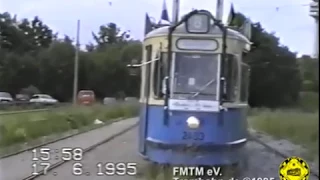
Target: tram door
(144,115)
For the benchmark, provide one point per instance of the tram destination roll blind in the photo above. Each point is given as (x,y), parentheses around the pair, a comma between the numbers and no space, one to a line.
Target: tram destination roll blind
(194,105)
(197,44)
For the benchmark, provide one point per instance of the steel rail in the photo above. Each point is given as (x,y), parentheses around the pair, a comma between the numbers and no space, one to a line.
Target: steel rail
(4,113)
(23,111)
(279,153)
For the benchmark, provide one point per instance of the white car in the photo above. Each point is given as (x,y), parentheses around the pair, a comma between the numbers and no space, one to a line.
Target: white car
(109,100)
(5,97)
(43,99)
(131,99)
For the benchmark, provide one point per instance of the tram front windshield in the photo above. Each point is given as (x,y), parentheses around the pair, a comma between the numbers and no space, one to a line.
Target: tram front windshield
(195,75)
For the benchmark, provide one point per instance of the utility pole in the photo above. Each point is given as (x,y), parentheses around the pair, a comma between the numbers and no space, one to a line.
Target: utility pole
(175,11)
(219,10)
(314,12)
(76,64)
(1,20)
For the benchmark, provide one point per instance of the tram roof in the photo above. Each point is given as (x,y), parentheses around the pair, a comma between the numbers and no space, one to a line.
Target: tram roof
(182,30)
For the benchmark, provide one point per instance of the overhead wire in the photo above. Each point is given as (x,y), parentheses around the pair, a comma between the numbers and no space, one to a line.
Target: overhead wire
(273,12)
(274,9)
(273,6)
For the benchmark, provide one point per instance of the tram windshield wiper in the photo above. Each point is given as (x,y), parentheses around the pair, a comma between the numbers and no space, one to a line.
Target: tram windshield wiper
(204,87)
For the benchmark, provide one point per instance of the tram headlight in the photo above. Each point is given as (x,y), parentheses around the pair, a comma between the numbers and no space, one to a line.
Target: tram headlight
(193,122)
(198,23)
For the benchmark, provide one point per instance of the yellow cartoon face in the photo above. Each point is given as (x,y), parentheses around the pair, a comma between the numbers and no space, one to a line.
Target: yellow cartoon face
(294,168)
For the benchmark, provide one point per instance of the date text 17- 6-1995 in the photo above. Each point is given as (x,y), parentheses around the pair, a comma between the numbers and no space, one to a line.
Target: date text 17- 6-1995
(106,169)
(42,158)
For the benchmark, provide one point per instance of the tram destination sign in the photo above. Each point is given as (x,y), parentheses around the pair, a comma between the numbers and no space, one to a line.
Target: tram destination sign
(197,44)
(194,105)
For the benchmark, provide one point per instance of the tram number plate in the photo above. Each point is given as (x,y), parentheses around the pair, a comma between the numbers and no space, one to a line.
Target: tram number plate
(197,136)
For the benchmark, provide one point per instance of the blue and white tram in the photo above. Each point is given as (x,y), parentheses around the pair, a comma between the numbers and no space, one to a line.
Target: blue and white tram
(194,92)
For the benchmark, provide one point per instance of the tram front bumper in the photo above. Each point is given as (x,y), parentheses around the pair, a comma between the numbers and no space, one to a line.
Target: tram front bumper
(196,154)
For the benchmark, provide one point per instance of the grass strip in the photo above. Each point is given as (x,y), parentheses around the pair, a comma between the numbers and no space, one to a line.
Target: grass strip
(296,126)
(24,129)
(41,141)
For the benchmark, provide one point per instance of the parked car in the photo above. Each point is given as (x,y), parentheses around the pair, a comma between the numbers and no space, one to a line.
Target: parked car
(109,100)
(22,97)
(43,99)
(5,97)
(131,99)
(86,97)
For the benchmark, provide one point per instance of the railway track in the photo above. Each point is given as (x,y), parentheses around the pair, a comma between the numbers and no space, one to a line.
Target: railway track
(33,110)
(281,154)
(86,150)
(4,107)
(22,160)
(24,111)
(121,147)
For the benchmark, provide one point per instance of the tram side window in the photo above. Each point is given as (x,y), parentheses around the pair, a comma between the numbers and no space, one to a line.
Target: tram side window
(231,76)
(245,75)
(158,76)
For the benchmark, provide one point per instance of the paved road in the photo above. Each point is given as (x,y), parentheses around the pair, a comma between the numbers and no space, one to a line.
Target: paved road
(20,166)
(262,163)
(121,149)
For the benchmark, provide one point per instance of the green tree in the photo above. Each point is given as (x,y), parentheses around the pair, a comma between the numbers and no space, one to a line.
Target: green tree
(17,71)
(275,78)
(30,54)
(110,34)
(56,69)
(309,68)
(37,34)
(10,36)
(24,36)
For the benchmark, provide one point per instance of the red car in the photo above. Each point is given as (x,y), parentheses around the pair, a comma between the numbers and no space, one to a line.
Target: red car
(86,97)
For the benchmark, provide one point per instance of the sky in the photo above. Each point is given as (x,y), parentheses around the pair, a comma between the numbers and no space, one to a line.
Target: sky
(289,19)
